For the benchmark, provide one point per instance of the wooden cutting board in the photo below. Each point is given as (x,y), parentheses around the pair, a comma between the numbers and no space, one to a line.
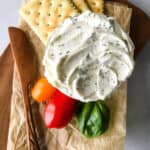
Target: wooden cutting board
(140,33)
(6,76)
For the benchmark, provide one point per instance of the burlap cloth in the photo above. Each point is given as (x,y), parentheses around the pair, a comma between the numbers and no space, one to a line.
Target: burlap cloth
(69,138)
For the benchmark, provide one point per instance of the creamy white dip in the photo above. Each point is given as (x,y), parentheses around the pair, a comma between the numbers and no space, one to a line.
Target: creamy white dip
(88,56)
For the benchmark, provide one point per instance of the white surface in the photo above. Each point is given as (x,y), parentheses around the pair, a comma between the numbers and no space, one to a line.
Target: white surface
(8,17)
(138,118)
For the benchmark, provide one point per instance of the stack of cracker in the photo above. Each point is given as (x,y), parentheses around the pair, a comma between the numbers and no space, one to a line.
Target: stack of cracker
(39,19)
(44,16)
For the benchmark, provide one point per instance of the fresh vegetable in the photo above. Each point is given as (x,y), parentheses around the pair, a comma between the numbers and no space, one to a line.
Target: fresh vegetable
(42,90)
(92,118)
(59,110)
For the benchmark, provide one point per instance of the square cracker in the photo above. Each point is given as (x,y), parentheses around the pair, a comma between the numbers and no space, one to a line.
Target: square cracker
(95,5)
(44,16)
(81,5)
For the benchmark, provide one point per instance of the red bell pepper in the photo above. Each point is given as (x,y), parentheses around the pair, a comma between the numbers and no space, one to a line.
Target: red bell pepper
(59,111)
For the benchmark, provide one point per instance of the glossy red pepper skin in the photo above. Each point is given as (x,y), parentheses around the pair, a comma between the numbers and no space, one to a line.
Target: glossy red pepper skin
(59,111)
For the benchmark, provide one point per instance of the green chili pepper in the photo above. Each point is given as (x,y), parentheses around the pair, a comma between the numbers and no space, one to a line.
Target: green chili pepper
(92,118)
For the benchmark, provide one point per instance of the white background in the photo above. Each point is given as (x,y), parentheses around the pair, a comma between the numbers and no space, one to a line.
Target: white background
(138,118)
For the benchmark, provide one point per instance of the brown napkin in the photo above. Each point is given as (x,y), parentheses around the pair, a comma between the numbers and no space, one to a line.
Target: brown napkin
(140,33)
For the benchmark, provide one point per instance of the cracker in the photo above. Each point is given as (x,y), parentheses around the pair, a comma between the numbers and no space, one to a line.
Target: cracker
(81,5)
(95,5)
(44,16)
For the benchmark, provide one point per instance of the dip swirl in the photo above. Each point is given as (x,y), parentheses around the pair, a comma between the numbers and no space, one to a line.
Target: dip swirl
(88,56)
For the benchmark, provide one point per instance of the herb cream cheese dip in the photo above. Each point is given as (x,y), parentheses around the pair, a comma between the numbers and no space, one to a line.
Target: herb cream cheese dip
(88,56)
